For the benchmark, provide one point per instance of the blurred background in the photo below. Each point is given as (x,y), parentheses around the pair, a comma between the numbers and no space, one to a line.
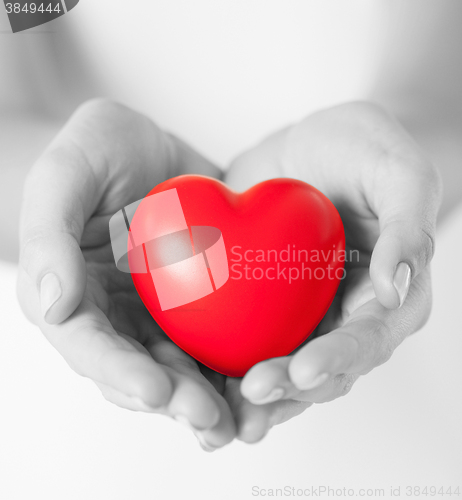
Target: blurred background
(221,75)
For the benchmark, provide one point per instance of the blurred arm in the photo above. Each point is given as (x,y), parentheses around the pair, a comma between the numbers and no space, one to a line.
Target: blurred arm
(23,137)
(420,81)
(41,83)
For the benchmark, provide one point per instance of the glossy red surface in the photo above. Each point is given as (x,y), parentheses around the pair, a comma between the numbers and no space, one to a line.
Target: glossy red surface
(285,245)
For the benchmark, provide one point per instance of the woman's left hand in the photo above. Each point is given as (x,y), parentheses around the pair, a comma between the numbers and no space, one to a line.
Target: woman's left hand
(388,195)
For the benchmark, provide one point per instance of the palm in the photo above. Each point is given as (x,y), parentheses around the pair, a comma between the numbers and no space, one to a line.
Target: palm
(113,293)
(107,156)
(333,151)
(116,306)
(361,231)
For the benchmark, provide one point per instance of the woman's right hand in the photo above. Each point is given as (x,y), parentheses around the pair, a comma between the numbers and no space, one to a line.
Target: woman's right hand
(106,157)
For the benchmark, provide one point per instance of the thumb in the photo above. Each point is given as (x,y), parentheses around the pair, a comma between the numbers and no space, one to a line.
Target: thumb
(406,204)
(57,201)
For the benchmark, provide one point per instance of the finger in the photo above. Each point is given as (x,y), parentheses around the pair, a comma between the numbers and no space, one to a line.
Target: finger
(267,376)
(118,398)
(50,253)
(93,349)
(272,376)
(195,401)
(252,421)
(282,411)
(267,381)
(192,402)
(82,172)
(64,189)
(223,432)
(334,387)
(365,341)
(204,437)
(255,421)
(61,192)
(406,197)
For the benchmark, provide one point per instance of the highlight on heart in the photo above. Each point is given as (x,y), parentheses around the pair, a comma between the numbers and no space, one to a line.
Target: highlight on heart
(194,250)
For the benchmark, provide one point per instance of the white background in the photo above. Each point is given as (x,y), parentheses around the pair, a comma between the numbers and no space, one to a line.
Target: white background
(223,74)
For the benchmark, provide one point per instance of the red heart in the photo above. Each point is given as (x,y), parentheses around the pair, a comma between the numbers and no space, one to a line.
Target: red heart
(253,292)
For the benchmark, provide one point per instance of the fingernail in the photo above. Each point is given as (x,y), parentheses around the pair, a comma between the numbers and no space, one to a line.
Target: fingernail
(274,395)
(203,443)
(50,292)
(402,280)
(315,382)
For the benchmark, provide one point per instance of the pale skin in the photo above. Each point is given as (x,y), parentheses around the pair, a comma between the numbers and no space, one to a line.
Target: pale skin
(384,186)
(388,196)
(386,191)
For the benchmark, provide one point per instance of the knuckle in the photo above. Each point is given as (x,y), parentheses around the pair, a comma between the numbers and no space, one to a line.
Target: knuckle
(342,385)
(369,109)
(420,295)
(77,368)
(345,384)
(69,225)
(431,175)
(99,106)
(382,337)
(100,123)
(425,314)
(31,249)
(96,120)
(379,345)
(290,409)
(360,114)
(428,245)
(76,365)
(338,387)
(421,239)
(384,354)
(365,114)
(106,391)
(39,238)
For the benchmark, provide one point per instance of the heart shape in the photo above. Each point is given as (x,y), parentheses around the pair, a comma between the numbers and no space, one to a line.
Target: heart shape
(236,278)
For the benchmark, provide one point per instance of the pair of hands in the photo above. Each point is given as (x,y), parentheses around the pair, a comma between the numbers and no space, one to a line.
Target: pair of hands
(108,156)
